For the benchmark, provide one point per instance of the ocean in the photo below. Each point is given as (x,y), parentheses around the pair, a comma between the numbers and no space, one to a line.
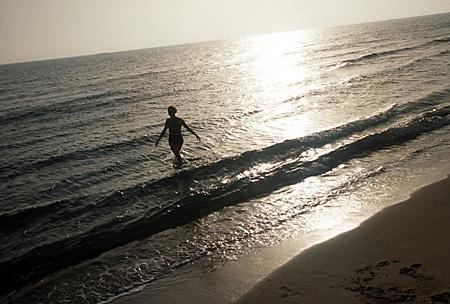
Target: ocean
(300,131)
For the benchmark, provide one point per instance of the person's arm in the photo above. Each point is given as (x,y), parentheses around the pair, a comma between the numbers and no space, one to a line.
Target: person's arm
(190,130)
(166,125)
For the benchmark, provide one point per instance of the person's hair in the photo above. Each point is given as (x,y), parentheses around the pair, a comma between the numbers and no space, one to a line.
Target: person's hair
(172,110)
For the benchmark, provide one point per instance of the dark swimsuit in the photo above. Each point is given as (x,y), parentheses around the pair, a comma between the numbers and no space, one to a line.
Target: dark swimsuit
(176,141)
(175,138)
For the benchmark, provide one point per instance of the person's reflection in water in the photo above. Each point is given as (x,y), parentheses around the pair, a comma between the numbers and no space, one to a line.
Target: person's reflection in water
(174,125)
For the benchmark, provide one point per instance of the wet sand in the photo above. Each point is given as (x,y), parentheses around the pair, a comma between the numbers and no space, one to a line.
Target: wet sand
(200,285)
(399,255)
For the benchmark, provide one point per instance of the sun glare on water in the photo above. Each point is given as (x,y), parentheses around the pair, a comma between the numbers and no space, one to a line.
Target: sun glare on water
(281,72)
(279,59)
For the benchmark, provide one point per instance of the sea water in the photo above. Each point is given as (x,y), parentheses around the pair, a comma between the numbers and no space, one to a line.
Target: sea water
(300,131)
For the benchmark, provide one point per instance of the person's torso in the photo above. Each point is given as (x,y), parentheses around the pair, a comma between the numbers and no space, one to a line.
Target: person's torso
(174,124)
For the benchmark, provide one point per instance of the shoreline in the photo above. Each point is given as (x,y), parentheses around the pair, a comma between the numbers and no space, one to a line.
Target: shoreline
(236,279)
(226,283)
(399,255)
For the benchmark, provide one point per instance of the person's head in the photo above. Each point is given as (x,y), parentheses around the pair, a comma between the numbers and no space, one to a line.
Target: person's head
(171,110)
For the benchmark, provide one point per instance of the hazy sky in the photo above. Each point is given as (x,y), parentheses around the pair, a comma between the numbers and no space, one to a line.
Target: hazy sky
(38,29)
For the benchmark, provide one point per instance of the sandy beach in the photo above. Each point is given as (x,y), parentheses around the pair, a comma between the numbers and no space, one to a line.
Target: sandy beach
(399,255)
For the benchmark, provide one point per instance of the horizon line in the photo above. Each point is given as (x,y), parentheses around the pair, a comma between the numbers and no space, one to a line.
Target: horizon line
(208,40)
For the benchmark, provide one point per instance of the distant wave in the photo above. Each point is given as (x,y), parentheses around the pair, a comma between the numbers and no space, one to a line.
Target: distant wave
(441,40)
(54,108)
(377,54)
(50,257)
(374,55)
(116,147)
(396,68)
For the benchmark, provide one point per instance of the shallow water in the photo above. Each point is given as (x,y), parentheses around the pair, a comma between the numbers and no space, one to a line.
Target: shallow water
(299,130)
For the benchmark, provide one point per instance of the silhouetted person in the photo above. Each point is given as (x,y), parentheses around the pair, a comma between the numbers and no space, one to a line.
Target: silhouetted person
(175,138)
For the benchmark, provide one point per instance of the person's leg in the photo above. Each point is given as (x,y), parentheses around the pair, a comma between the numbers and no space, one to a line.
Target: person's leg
(175,146)
(176,152)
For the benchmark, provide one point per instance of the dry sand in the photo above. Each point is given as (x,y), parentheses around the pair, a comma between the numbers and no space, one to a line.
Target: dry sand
(399,255)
